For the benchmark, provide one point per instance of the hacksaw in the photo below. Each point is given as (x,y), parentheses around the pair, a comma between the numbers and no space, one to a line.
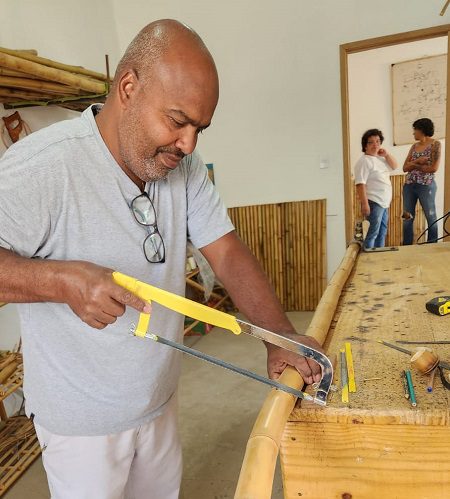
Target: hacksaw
(221,319)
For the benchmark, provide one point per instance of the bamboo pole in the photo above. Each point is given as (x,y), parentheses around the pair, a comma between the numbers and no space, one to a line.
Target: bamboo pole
(302,256)
(12,72)
(323,242)
(280,243)
(23,94)
(199,287)
(297,276)
(26,51)
(31,84)
(256,477)
(49,73)
(296,250)
(7,371)
(33,57)
(290,297)
(7,359)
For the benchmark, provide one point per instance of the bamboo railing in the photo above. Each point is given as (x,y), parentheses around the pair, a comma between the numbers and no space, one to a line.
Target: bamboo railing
(395,228)
(258,468)
(289,240)
(27,79)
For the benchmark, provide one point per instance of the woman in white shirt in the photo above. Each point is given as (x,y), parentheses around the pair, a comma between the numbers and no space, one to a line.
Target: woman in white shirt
(373,185)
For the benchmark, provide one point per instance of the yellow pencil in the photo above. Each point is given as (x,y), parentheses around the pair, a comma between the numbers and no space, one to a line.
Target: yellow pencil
(350,370)
(344,377)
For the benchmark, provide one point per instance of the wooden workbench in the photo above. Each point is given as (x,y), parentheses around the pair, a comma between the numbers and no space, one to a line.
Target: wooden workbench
(378,445)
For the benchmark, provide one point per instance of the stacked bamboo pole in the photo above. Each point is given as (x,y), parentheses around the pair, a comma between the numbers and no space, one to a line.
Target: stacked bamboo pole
(19,447)
(258,467)
(27,79)
(289,240)
(395,227)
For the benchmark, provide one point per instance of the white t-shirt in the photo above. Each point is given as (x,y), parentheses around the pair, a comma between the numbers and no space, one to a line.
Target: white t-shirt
(64,197)
(374,172)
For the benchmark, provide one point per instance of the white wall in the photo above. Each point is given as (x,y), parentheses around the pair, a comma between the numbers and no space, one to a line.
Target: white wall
(280,110)
(370,98)
(77,33)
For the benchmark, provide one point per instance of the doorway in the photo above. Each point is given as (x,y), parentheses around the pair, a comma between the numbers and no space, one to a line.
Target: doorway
(360,49)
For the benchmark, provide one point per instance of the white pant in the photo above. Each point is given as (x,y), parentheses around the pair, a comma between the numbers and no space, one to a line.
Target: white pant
(142,463)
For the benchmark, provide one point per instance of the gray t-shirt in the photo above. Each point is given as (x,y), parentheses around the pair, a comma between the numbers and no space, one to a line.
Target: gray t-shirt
(64,197)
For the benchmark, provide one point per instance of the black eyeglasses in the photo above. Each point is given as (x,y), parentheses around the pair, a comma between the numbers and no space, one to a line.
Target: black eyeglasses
(145,214)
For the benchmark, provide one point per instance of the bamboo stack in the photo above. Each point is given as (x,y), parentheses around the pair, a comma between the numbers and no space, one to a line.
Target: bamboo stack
(29,80)
(395,227)
(19,447)
(289,240)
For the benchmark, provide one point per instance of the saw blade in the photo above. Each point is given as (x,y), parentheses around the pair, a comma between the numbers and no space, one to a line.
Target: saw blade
(230,367)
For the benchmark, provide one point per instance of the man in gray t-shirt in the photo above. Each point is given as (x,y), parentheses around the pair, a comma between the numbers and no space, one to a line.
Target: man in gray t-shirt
(120,188)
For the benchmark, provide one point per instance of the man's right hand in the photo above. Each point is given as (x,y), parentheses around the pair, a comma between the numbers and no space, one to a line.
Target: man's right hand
(91,293)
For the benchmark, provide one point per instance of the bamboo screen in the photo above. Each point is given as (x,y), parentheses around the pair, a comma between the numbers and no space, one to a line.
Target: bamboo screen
(395,227)
(289,240)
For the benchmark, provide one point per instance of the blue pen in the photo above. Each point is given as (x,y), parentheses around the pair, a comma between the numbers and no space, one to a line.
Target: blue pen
(411,388)
(431,380)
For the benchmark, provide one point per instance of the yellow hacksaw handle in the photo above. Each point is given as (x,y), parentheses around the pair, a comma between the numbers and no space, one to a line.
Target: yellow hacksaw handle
(175,302)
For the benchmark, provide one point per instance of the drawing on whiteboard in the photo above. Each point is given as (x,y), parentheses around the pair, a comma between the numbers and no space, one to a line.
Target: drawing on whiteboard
(419,90)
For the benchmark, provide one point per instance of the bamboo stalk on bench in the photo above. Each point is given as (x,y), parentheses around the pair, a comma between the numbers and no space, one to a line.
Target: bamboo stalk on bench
(258,467)
(49,73)
(54,64)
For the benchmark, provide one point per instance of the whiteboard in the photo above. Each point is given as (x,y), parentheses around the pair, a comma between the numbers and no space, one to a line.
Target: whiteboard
(419,90)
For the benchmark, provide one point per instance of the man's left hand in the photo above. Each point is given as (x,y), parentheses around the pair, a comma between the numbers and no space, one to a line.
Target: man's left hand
(279,358)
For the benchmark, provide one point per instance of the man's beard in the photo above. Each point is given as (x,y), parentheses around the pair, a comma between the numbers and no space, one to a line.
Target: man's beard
(144,166)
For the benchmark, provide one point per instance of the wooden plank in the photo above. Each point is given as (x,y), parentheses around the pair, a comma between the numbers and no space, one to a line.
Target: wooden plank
(365,461)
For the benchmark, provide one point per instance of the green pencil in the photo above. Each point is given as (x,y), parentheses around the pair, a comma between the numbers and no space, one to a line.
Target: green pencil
(411,388)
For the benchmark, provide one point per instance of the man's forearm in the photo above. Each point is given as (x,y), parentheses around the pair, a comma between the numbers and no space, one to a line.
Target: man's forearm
(253,294)
(248,285)
(87,288)
(26,280)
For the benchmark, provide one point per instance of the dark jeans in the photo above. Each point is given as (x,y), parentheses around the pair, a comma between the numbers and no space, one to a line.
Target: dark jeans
(426,195)
(378,219)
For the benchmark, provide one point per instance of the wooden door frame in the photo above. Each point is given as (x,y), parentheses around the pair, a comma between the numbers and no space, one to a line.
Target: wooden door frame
(375,43)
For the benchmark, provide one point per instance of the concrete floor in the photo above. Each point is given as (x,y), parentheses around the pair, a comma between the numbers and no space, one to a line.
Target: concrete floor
(217,412)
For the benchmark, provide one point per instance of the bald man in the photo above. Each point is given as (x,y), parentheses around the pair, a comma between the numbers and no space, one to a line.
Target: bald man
(120,188)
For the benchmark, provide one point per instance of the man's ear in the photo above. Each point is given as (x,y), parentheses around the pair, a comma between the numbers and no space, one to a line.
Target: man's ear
(127,86)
